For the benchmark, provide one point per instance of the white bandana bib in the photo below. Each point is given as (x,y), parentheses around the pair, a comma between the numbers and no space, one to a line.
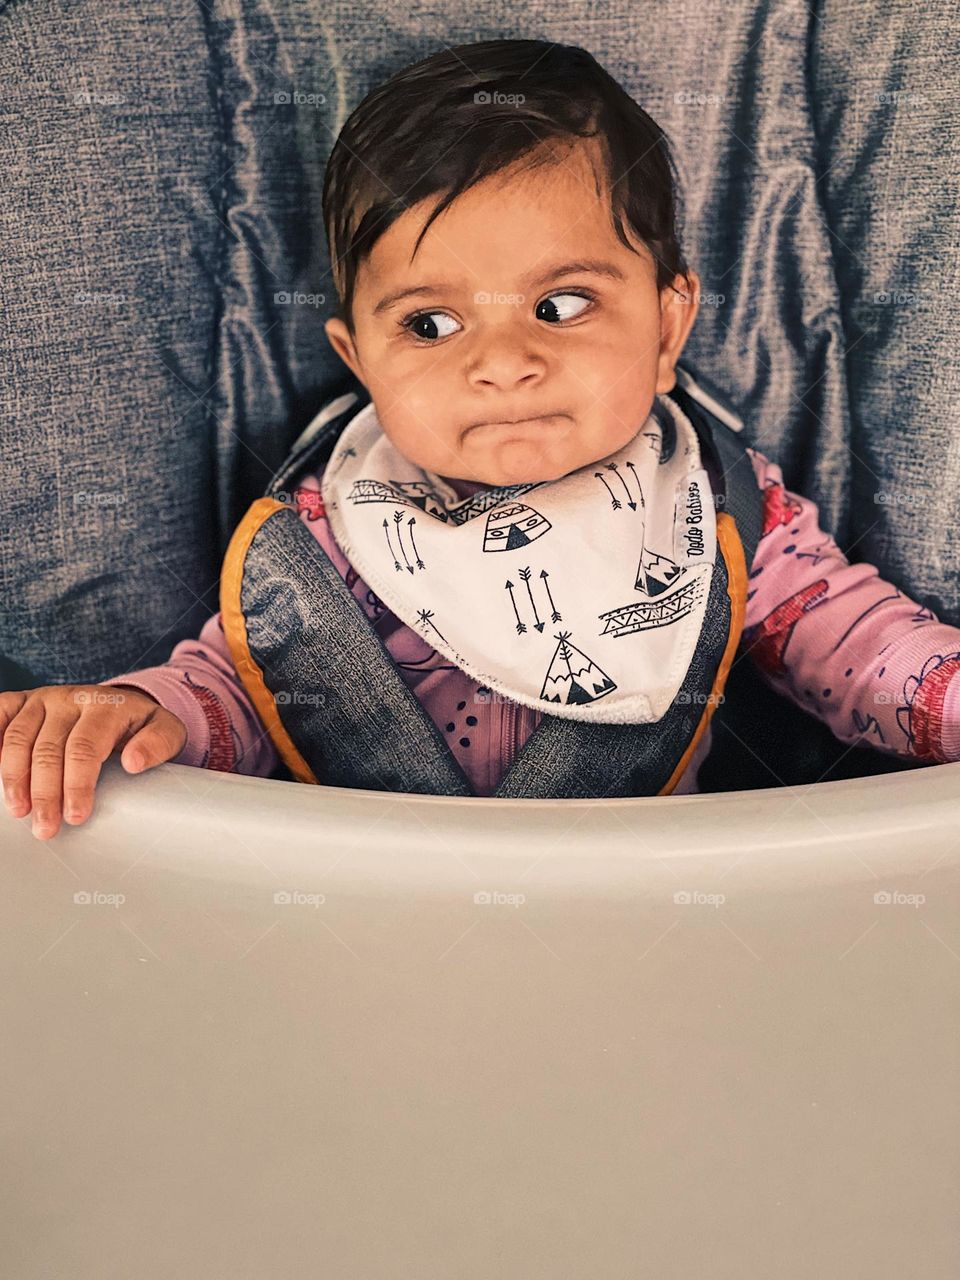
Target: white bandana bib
(582,597)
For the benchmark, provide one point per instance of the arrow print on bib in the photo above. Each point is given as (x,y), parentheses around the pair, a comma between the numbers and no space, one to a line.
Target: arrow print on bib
(555,615)
(615,502)
(424,616)
(398,517)
(344,454)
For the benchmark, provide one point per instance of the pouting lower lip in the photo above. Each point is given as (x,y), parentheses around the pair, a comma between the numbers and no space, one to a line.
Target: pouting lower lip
(521,422)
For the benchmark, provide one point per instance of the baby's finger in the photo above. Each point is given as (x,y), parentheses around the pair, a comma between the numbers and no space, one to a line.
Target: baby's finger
(15,758)
(90,742)
(161,737)
(46,770)
(10,704)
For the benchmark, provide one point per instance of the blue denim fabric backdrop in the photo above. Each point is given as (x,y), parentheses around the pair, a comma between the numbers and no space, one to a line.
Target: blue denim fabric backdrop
(162,195)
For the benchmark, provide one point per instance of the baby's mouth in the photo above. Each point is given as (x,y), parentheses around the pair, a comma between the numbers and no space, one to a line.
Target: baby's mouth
(520,424)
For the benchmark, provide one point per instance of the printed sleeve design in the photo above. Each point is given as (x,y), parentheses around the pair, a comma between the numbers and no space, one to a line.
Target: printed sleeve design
(200,685)
(842,643)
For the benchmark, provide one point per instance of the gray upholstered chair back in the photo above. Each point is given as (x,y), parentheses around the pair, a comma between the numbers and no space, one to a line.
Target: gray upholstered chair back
(165,280)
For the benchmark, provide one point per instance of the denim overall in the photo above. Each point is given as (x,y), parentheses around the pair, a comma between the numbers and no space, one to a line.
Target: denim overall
(338,710)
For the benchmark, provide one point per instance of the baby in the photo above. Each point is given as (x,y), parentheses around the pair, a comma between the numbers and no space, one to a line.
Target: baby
(513,298)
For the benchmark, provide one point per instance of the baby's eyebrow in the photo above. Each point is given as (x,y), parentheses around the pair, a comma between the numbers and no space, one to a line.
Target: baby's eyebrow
(585,266)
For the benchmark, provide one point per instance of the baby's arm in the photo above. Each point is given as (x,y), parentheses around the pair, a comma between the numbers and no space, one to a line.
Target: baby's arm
(200,685)
(842,643)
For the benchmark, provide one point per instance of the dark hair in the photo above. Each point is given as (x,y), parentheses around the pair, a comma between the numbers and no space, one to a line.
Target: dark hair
(447,122)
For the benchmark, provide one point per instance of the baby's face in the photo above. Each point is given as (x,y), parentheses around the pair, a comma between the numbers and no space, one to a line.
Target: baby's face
(524,340)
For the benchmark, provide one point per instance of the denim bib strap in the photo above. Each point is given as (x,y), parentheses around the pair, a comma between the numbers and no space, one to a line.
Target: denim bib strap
(342,702)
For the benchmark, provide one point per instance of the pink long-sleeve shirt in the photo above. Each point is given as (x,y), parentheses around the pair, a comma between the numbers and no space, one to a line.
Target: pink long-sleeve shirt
(833,637)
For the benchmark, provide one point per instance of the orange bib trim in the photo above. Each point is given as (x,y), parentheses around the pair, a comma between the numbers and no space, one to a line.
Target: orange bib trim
(731,548)
(235,630)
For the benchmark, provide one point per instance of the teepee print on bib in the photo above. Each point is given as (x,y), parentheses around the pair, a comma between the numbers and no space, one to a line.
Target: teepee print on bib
(582,597)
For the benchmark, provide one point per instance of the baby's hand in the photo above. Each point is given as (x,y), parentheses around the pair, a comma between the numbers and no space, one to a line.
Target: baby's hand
(53,741)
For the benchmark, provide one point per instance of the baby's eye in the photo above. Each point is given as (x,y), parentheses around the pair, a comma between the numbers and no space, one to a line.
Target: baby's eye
(549,310)
(426,318)
(566,307)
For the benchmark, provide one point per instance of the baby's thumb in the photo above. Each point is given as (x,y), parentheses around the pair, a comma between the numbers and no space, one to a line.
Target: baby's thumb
(161,738)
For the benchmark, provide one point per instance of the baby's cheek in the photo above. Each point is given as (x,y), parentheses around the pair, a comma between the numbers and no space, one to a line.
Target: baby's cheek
(420,429)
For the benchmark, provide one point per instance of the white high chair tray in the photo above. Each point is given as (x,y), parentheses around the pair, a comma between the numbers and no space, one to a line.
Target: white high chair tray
(258,1029)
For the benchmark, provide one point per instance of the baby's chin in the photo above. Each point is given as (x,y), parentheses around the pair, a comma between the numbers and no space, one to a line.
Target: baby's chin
(520,462)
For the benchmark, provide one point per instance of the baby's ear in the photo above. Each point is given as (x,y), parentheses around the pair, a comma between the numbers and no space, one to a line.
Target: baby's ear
(342,342)
(679,304)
